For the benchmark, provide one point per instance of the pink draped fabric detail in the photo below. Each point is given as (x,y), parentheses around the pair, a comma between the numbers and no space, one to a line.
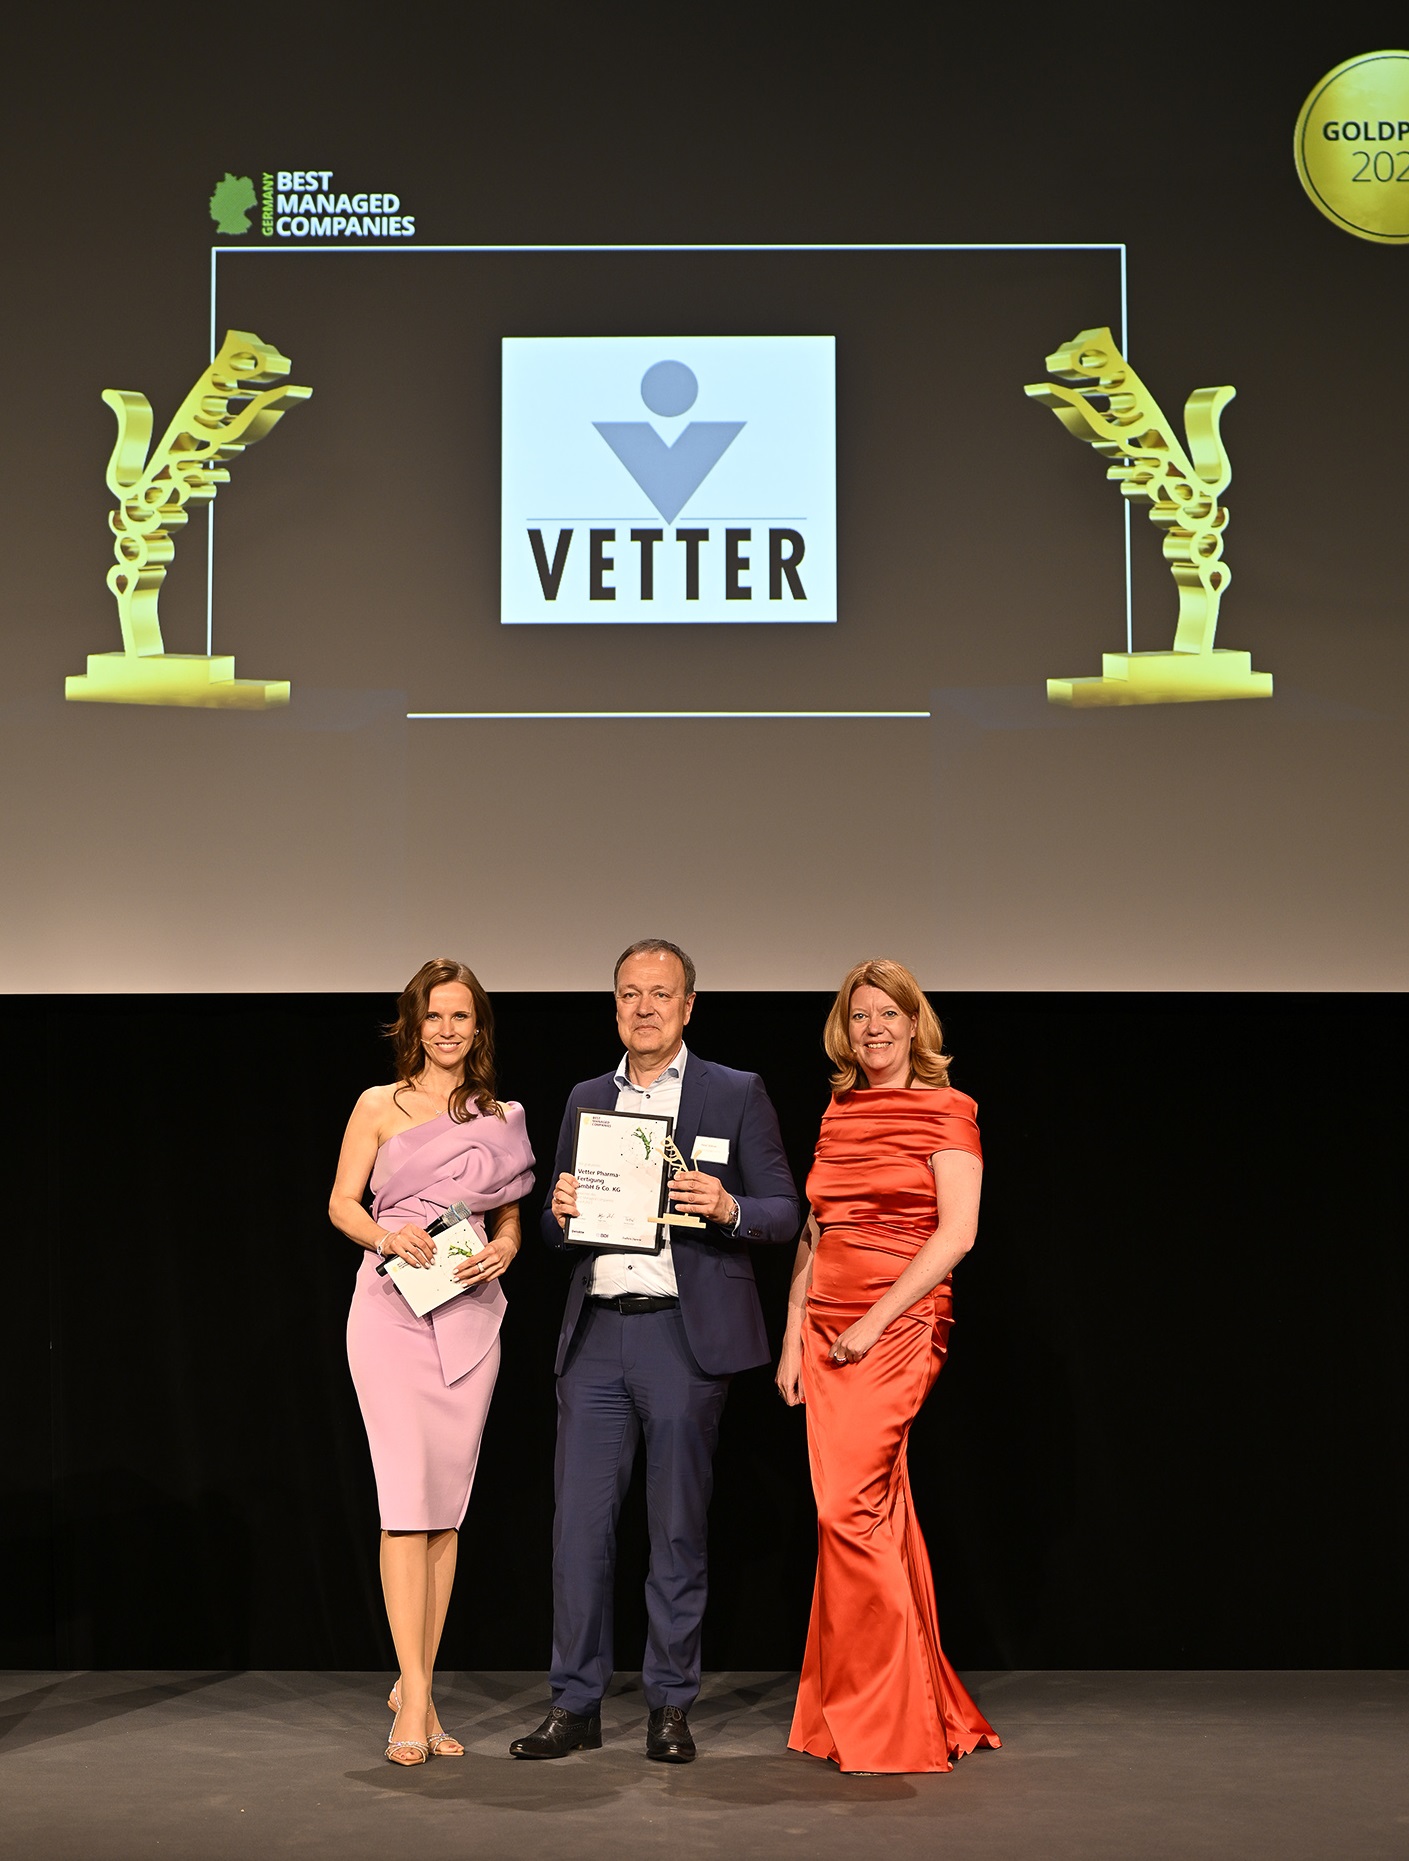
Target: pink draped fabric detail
(483,1163)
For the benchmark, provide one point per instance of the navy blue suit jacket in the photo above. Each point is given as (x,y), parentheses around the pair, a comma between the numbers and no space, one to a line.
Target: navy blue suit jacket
(718,1295)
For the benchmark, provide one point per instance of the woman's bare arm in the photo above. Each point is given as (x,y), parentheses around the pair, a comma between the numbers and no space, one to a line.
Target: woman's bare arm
(359,1152)
(789,1377)
(505,1238)
(958,1178)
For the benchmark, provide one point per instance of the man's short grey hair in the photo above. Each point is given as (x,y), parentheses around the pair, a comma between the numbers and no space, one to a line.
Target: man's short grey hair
(657,946)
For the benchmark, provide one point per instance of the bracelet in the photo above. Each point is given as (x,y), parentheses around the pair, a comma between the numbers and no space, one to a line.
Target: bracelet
(381,1244)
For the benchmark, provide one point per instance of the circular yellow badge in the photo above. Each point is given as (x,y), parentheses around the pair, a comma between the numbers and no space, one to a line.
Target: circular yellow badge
(1352,146)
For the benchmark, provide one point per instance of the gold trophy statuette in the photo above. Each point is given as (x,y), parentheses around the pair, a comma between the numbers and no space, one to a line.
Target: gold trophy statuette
(1182,490)
(675,1159)
(228,409)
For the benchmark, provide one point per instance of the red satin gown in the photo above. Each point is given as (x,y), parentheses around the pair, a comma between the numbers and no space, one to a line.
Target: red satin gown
(876,1692)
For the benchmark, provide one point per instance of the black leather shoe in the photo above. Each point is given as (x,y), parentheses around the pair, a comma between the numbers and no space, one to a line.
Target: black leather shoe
(668,1736)
(562,1732)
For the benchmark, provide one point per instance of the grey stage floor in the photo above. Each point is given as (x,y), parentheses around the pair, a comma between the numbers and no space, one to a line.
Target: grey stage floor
(117,1766)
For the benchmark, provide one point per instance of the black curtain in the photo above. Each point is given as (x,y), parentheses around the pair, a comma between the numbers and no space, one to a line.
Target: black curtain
(1170,1432)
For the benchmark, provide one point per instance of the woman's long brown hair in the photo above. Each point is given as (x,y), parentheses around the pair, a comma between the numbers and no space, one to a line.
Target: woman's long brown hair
(409,1055)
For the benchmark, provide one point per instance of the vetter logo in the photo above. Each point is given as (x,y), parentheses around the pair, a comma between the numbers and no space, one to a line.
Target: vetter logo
(668,478)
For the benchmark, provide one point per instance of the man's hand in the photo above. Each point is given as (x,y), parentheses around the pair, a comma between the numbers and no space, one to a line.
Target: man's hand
(565,1199)
(692,1192)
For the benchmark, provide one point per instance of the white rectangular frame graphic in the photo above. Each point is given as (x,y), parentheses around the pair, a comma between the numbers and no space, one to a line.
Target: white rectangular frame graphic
(407,251)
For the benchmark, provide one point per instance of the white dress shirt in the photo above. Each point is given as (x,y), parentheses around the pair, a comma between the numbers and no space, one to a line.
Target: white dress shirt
(652,1274)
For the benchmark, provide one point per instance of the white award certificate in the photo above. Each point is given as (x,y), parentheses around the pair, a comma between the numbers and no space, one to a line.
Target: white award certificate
(619,1160)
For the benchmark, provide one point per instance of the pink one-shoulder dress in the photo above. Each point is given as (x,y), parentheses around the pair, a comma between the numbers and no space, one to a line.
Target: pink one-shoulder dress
(424,1384)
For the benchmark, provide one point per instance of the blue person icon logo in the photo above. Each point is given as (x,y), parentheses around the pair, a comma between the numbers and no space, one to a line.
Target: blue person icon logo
(669,474)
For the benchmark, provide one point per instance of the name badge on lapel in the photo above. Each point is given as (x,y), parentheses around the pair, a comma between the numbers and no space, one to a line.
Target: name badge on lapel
(711,1150)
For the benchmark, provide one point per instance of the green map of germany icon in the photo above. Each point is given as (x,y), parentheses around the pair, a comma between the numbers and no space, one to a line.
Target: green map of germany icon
(232,203)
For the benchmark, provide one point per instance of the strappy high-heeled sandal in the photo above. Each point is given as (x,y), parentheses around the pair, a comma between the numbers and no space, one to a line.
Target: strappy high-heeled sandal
(419,1745)
(436,1739)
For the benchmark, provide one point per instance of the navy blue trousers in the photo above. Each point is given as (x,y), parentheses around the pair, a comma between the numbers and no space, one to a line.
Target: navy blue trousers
(629,1377)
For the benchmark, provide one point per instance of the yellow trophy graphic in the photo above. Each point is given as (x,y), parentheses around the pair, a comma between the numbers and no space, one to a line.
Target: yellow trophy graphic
(230,407)
(1182,489)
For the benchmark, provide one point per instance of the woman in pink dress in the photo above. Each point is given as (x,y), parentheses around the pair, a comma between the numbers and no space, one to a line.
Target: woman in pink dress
(437,1135)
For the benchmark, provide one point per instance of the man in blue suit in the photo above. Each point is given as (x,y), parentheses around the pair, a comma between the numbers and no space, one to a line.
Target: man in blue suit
(648,1345)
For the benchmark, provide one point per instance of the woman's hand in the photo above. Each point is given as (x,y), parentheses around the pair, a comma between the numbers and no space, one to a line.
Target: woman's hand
(411,1244)
(493,1260)
(855,1341)
(789,1377)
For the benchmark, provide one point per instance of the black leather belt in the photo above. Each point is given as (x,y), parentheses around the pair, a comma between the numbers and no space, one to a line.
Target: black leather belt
(629,1302)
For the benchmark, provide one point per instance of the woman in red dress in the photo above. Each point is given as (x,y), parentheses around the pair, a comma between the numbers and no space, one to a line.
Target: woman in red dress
(894,1194)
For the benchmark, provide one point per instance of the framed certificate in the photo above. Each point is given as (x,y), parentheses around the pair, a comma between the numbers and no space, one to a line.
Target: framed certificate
(619,1160)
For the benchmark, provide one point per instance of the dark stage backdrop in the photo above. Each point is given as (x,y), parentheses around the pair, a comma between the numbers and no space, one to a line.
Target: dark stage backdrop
(1169,1433)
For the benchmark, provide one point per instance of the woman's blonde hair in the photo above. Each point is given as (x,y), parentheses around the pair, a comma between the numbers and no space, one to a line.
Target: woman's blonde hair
(929,1063)
(409,1055)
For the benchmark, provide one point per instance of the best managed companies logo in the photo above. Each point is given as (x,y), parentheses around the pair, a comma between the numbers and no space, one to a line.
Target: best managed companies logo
(302,203)
(668,478)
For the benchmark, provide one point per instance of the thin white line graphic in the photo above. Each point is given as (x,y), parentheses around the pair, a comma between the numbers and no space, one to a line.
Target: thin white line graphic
(484,717)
